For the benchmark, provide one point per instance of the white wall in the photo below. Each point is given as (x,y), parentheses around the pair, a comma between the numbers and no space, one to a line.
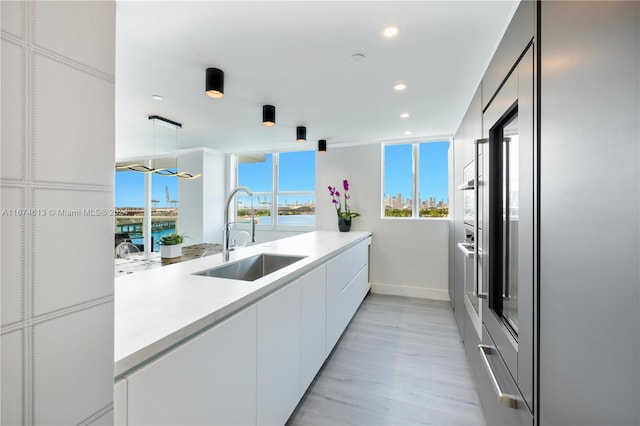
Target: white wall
(58,122)
(409,257)
(201,200)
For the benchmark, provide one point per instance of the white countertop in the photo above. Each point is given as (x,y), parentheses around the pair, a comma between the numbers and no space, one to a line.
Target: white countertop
(158,308)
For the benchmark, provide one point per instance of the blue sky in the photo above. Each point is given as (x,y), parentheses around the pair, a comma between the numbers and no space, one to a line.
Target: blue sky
(433,170)
(297,172)
(130,189)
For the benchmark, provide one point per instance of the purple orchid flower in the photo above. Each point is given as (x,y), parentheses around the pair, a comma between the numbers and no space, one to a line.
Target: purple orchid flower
(335,199)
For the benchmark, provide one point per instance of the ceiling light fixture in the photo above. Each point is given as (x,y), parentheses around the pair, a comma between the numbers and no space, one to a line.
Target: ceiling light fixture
(268,115)
(214,83)
(399,87)
(141,168)
(404,115)
(358,57)
(322,145)
(408,132)
(391,31)
(301,134)
(157,97)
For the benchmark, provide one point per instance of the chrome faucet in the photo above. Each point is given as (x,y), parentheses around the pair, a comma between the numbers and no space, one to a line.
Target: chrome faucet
(225,231)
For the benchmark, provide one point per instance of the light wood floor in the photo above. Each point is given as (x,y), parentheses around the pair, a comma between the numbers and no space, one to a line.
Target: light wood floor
(400,362)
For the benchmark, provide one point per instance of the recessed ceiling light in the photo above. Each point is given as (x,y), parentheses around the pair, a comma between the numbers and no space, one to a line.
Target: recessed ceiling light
(391,31)
(157,97)
(408,132)
(404,115)
(399,87)
(358,57)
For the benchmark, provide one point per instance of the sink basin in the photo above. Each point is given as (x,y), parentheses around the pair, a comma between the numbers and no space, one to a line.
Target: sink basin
(251,268)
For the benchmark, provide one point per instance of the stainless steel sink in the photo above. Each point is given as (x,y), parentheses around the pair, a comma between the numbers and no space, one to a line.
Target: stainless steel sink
(251,268)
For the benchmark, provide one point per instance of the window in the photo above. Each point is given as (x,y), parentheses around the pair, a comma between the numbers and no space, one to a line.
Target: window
(129,202)
(256,173)
(296,189)
(283,185)
(417,171)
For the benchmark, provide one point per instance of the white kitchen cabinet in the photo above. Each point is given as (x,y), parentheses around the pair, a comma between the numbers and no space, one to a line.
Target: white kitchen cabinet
(278,361)
(210,379)
(347,284)
(313,323)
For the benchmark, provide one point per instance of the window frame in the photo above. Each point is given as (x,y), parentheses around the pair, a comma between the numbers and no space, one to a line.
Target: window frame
(415,178)
(275,192)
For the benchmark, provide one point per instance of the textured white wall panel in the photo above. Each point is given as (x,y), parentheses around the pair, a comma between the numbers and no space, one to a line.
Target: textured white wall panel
(69,251)
(13,111)
(12,383)
(57,164)
(106,419)
(12,273)
(82,31)
(70,358)
(73,118)
(13,18)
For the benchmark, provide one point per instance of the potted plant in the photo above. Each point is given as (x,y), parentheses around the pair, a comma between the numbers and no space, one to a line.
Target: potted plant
(171,245)
(344,216)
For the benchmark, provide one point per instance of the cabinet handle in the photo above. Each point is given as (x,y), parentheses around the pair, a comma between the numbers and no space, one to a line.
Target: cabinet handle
(476,258)
(504,399)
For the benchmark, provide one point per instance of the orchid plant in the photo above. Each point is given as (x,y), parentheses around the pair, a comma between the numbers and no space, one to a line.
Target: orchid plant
(346,214)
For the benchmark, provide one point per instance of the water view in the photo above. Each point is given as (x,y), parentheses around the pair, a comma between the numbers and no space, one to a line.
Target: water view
(130,221)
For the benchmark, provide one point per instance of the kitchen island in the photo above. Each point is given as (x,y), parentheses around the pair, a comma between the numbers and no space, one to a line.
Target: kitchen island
(194,349)
(158,308)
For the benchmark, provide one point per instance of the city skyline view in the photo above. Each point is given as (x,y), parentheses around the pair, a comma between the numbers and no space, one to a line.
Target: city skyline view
(433,175)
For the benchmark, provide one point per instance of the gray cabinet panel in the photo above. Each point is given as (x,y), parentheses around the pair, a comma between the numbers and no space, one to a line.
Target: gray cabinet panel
(589,213)
(515,40)
(472,126)
(526,106)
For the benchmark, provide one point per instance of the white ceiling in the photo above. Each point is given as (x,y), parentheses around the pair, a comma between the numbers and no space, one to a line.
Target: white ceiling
(297,56)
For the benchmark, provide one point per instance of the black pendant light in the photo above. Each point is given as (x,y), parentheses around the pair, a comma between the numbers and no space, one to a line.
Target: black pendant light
(215,83)
(268,115)
(149,167)
(301,134)
(322,145)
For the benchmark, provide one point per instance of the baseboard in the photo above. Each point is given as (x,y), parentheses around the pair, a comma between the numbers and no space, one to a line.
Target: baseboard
(409,291)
